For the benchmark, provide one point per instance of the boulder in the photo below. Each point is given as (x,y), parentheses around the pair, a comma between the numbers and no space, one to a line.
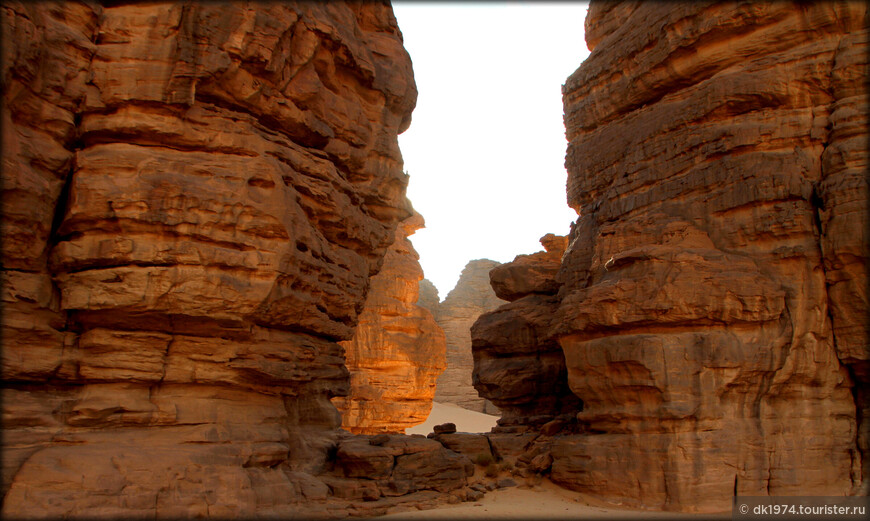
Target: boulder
(402,465)
(471,445)
(444,428)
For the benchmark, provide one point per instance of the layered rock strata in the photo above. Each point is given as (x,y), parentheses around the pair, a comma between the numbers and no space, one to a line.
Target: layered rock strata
(518,363)
(397,351)
(195,196)
(713,312)
(471,297)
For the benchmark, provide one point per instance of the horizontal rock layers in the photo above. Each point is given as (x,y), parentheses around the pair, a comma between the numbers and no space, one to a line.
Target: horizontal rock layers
(398,350)
(471,297)
(518,364)
(195,196)
(714,300)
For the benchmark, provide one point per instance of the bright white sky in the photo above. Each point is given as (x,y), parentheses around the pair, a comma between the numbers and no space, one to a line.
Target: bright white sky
(486,147)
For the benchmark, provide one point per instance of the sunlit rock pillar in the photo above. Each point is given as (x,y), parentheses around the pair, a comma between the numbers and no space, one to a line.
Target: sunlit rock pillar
(398,350)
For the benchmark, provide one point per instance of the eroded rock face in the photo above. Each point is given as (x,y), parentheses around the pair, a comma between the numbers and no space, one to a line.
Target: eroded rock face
(398,350)
(530,274)
(518,363)
(194,199)
(471,297)
(713,283)
(402,464)
(428,297)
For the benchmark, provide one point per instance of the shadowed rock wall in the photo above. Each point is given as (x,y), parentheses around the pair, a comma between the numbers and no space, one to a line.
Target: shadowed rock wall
(714,300)
(518,364)
(398,350)
(195,196)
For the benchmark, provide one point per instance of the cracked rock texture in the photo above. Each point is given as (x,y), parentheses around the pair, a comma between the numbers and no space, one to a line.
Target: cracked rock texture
(398,350)
(713,312)
(471,297)
(518,363)
(195,196)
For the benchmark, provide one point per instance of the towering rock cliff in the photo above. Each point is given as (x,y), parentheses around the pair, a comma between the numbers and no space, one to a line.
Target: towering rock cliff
(714,308)
(195,196)
(518,364)
(397,351)
(471,297)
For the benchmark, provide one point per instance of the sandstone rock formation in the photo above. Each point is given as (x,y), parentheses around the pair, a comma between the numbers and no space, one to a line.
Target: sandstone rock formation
(428,297)
(713,312)
(397,351)
(369,468)
(518,364)
(471,297)
(195,196)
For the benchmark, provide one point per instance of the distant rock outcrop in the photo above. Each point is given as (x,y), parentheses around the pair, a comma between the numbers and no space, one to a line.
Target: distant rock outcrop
(471,297)
(518,364)
(398,350)
(713,311)
(428,297)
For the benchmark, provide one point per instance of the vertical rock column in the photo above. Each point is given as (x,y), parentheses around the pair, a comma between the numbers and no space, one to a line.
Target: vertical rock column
(195,196)
(398,350)
(714,278)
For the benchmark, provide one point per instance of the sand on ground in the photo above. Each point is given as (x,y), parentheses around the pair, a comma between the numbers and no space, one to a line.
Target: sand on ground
(544,501)
(465,420)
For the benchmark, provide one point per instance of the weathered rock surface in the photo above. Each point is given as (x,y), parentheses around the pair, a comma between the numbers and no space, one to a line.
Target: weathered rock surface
(530,274)
(428,297)
(398,350)
(518,363)
(471,297)
(714,300)
(195,196)
(471,445)
(402,465)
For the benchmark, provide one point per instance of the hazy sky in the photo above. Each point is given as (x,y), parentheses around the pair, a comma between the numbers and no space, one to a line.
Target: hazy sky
(486,147)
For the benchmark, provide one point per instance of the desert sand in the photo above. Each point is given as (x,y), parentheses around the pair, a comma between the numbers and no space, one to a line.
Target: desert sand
(543,501)
(465,420)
